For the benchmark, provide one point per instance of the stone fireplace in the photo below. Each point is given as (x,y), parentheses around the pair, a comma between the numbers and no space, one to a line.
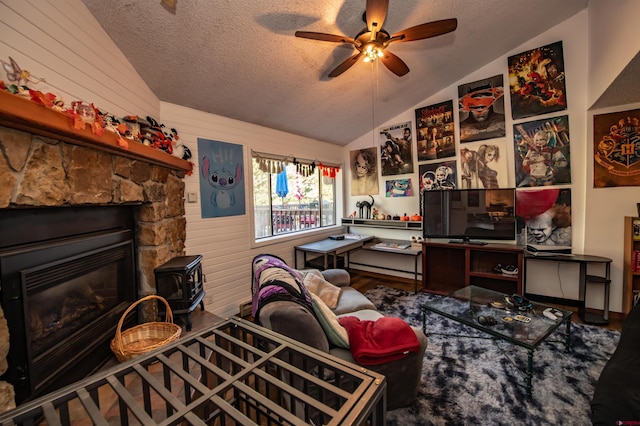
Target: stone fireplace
(47,166)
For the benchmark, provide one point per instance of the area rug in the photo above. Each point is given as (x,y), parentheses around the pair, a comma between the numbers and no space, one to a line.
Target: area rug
(470,381)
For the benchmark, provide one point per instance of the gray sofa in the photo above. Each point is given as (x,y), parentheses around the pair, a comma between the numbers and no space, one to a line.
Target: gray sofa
(293,320)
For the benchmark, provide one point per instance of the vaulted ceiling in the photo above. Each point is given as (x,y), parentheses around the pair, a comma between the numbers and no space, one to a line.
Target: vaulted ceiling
(240,58)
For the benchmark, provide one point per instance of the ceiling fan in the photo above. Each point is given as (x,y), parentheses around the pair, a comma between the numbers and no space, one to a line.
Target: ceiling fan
(372,41)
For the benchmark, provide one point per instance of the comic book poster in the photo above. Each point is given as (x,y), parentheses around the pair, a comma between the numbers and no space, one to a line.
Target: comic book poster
(364,171)
(436,176)
(396,152)
(537,81)
(481,109)
(399,188)
(221,178)
(616,146)
(434,130)
(483,165)
(547,217)
(542,151)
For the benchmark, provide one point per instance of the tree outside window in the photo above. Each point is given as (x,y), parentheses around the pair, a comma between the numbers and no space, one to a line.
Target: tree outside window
(286,201)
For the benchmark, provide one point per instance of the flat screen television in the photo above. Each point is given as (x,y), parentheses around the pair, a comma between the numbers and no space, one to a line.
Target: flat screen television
(466,215)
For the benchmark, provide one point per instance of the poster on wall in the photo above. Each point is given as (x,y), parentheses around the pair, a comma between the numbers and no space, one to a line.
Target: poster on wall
(481,109)
(396,152)
(542,152)
(364,172)
(436,176)
(398,188)
(482,165)
(221,167)
(537,81)
(434,131)
(547,217)
(616,148)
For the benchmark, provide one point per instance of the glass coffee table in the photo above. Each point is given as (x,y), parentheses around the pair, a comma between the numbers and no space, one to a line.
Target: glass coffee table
(473,306)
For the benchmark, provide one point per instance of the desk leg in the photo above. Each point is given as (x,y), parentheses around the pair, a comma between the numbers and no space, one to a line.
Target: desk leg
(582,291)
(295,258)
(529,372)
(415,274)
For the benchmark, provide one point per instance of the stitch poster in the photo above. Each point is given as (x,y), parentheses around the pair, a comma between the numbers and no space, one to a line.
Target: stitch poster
(221,178)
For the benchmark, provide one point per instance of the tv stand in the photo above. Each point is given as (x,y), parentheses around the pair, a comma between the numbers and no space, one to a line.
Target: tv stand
(467,241)
(449,266)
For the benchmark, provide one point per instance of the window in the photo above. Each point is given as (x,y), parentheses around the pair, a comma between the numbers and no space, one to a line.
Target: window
(291,198)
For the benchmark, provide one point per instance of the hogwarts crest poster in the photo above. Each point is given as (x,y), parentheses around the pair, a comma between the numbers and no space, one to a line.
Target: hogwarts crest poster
(616,147)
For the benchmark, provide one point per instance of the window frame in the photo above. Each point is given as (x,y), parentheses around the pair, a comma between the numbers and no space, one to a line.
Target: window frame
(296,234)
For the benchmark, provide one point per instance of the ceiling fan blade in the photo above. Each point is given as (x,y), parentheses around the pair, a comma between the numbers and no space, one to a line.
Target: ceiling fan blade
(345,65)
(376,13)
(395,64)
(324,37)
(427,30)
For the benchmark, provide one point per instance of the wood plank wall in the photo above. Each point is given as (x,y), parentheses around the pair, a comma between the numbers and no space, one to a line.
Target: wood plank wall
(62,42)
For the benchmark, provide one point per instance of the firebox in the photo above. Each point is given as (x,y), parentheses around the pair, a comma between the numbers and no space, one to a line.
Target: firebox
(67,276)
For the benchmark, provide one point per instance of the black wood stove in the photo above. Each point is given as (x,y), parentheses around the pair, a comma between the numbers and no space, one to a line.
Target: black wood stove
(180,282)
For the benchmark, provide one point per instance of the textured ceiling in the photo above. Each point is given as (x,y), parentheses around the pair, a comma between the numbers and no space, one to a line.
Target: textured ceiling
(240,58)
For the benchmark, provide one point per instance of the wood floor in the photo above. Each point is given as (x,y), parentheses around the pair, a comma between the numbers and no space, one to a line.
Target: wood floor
(363,281)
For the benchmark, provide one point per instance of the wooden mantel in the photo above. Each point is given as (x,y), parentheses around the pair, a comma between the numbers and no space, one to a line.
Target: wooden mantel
(23,114)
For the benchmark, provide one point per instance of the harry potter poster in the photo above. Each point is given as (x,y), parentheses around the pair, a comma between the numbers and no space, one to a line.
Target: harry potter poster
(616,149)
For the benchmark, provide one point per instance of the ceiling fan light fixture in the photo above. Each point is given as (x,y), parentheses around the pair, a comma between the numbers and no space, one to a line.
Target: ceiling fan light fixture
(372,52)
(372,41)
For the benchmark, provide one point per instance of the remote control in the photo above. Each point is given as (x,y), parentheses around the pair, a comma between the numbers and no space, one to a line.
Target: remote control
(522,318)
(549,314)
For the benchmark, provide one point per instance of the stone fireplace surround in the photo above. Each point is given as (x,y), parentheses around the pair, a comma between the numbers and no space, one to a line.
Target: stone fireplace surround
(44,162)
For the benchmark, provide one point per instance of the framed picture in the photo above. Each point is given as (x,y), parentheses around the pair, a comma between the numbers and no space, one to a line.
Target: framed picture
(221,179)
(616,156)
(364,172)
(482,165)
(542,152)
(537,81)
(396,152)
(436,176)
(481,109)
(399,188)
(434,131)
(547,216)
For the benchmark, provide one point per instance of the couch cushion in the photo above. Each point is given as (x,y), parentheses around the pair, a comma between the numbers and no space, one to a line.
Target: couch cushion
(329,293)
(352,300)
(296,322)
(336,333)
(364,315)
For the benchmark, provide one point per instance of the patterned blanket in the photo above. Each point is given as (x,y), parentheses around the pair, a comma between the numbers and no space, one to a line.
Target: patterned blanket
(272,279)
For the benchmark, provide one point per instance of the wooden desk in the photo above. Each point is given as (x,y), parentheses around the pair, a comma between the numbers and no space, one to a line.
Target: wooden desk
(416,253)
(329,247)
(582,260)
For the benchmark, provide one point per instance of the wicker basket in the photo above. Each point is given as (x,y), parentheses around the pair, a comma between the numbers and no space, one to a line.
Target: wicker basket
(145,337)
